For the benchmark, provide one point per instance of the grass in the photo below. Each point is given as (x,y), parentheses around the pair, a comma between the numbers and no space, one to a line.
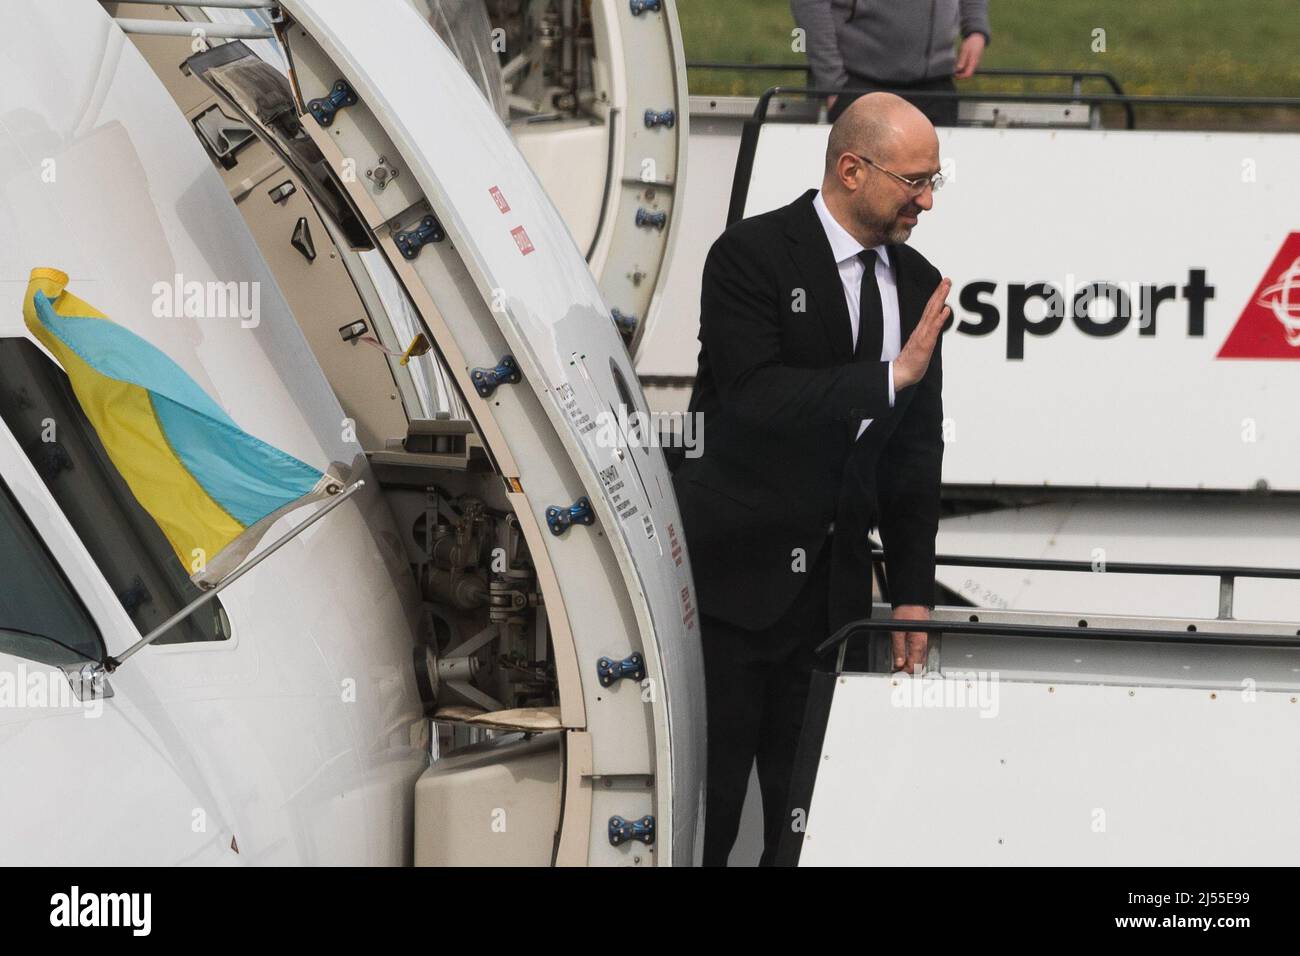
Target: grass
(1155,47)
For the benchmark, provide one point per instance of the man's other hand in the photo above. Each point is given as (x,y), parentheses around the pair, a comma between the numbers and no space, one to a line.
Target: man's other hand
(969,56)
(910,366)
(830,101)
(911,647)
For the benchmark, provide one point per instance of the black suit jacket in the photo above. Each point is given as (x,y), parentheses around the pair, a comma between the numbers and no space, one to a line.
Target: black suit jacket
(781,398)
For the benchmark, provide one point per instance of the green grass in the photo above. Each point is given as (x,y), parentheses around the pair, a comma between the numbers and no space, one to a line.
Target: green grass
(1166,47)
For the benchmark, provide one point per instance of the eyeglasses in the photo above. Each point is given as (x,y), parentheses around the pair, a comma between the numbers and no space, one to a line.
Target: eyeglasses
(914,186)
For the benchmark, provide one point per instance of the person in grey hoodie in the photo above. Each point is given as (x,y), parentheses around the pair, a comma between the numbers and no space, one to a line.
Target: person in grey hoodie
(907,46)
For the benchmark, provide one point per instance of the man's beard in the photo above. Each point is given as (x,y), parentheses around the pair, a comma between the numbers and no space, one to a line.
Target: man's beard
(899,234)
(894,232)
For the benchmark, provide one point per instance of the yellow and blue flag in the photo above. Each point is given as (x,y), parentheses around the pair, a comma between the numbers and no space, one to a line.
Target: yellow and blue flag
(212,488)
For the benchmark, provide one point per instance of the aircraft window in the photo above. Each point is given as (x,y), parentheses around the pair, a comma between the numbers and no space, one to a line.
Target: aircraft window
(41,617)
(262,97)
(467,31)
(40,408)
(635,421)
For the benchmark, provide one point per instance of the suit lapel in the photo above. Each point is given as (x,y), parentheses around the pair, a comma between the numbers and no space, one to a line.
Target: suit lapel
(911,296)
(811,251)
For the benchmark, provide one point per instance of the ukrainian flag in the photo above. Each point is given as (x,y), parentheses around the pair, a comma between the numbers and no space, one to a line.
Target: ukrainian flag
(213,488)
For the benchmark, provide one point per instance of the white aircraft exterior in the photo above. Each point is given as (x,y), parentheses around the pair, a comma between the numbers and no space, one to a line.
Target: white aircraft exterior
(444,264)
(514,564)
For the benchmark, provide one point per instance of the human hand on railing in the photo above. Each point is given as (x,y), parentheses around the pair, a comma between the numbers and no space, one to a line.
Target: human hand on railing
(910,648)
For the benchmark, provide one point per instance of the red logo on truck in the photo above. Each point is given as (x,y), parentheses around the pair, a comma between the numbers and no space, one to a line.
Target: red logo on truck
(1269,325)
(499,199)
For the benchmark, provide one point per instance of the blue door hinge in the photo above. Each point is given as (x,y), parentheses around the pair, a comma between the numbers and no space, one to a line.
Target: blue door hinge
(324,107)
(611,671)
(624,323)
(656,220)
(666,118)
(486,380)
(410,243)
(558,519)
(622,831)
(641,6)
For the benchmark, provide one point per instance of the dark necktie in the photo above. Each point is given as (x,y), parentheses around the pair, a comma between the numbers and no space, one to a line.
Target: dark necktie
(871,313)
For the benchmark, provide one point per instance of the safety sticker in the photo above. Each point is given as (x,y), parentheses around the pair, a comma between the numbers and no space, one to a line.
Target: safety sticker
(674,546)
(615,487)
(499,199)
(521,240)
(569,402)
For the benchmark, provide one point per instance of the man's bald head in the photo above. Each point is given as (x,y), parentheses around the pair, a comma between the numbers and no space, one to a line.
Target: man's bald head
(875,200)
(876,125)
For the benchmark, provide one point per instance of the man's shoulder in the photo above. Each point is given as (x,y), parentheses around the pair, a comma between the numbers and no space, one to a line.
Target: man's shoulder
(761,232)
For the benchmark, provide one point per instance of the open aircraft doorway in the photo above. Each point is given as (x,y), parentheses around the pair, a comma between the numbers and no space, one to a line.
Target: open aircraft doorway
(494,622)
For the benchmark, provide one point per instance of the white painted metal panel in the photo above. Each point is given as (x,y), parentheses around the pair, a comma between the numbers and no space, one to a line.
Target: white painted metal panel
(547,307)
(1038,774)
(669,345)
(101,176)
(1241,531)
(643,65)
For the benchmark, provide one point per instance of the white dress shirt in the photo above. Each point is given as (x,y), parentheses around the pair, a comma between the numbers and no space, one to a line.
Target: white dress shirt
(845,249)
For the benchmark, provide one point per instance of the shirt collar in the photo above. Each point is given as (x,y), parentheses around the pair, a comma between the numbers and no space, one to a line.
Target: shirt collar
(843,245)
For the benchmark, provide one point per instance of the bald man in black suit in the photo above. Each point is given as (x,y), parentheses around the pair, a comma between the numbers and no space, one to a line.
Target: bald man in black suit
(819,390)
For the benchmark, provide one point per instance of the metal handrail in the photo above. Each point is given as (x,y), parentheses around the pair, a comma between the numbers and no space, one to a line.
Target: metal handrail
(1109,77)
(1076,76)
(749,67)
(1000,629)
(1227,574)
(749,133)
(1143,99)
(1106,75)
(1110,567)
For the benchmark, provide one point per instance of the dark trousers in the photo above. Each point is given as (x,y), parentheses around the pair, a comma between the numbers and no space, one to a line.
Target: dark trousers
(756,688)
(941,111)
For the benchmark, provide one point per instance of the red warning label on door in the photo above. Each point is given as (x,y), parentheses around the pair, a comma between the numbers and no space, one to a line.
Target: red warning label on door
(1269,325)
(499,199)
(688,609)
(521,240)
